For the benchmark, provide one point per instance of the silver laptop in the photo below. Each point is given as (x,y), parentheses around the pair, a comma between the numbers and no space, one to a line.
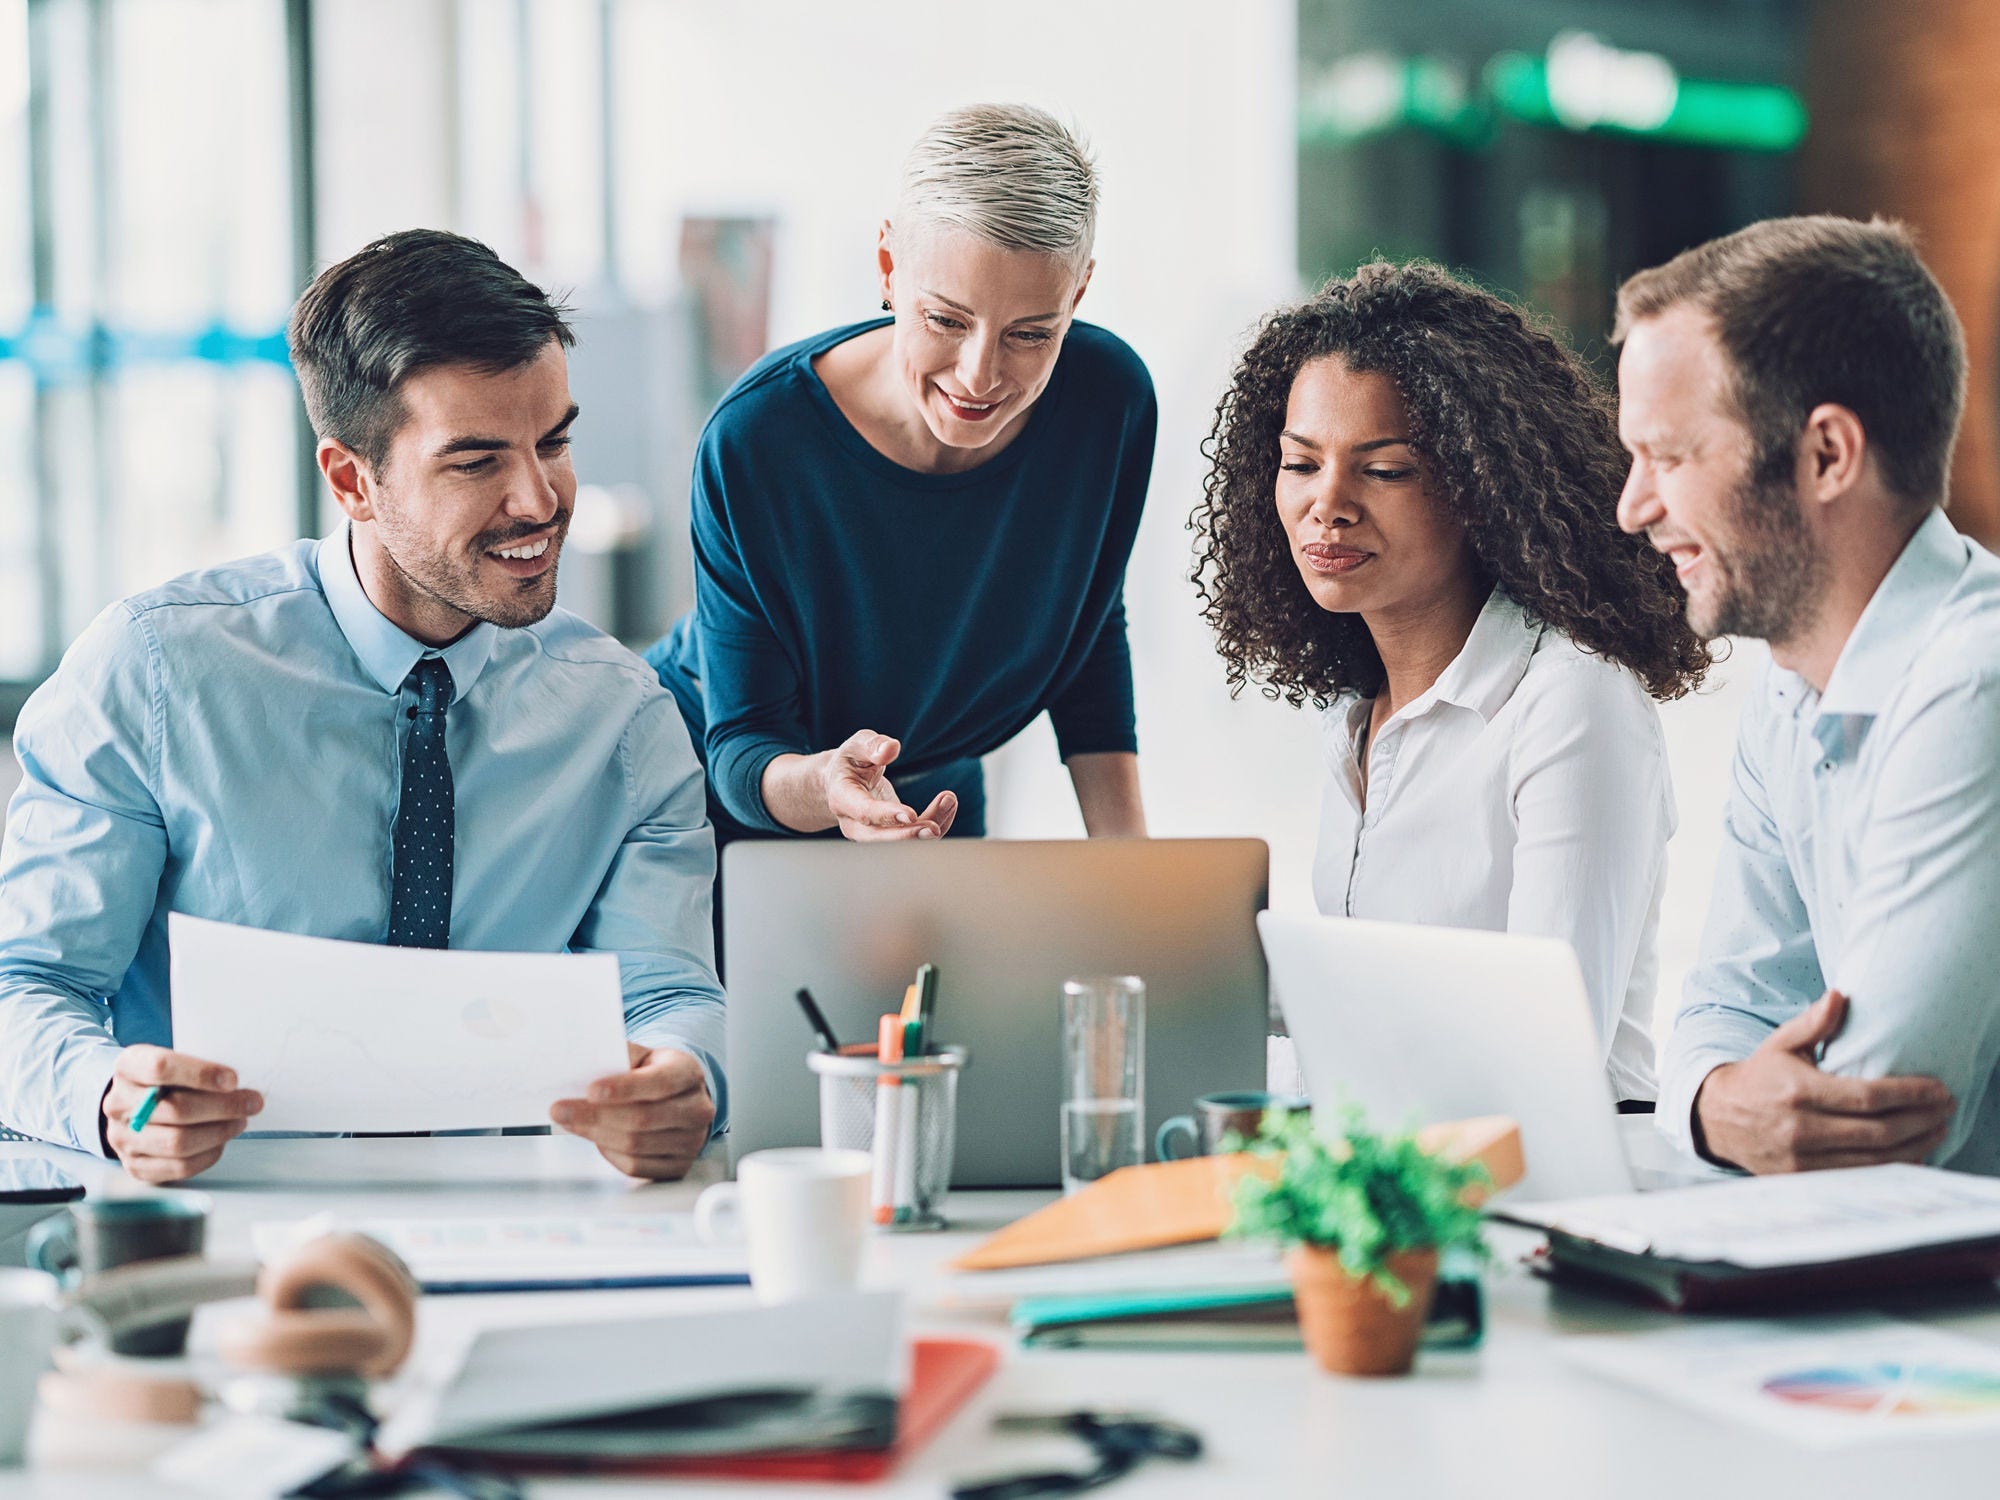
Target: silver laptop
(1419,1024)
(1005,923)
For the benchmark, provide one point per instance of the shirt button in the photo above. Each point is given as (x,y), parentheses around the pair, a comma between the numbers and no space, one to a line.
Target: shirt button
(1825,767)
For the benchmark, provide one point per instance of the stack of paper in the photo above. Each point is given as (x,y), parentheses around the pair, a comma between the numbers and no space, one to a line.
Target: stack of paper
(1808,1218)
(821,1374)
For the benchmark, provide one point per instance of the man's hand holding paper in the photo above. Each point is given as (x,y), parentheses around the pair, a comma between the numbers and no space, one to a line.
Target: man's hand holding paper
(338,1036)
(651,1120)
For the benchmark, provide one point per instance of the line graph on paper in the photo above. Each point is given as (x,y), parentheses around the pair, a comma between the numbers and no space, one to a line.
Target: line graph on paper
(344,1036)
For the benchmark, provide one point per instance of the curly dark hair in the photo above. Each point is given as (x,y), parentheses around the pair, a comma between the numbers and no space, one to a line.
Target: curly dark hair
(1519,442)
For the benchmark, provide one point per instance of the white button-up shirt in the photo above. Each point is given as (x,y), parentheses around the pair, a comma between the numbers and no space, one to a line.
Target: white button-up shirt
(1526,791)
(1862,852)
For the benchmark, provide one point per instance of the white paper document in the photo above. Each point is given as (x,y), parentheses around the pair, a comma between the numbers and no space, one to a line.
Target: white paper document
(1821,1381)
(1806,1218)
(358,1036)
(528,1249)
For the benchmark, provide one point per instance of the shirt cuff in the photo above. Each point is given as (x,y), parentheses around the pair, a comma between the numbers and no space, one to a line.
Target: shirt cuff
(1097,742)
(1679,1085)
(89,1077)
(711,1070)
(736,780)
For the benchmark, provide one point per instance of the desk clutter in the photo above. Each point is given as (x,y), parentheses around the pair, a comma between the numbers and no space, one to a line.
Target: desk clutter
(305,1391)
(314,1387)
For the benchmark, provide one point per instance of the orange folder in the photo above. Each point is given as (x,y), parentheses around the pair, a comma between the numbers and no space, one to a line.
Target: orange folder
(1184,1202)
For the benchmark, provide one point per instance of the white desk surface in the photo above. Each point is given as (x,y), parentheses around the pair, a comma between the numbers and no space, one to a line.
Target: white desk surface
(1510,1419)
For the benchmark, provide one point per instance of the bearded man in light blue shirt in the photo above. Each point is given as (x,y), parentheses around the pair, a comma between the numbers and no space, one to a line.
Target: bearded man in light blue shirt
(1790,395)
(389,735)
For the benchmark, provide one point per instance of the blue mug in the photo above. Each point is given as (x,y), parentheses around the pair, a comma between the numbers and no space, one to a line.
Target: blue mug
(102,1234)
(1214,1117)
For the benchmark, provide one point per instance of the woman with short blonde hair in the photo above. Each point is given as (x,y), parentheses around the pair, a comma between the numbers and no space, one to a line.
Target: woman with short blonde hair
(911,532)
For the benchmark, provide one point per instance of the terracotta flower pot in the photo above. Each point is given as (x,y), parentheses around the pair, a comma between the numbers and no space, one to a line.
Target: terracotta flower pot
(1350,1325)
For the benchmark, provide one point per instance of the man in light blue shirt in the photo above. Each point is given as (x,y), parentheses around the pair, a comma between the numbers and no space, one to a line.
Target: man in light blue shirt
(387,735)
(1790,395)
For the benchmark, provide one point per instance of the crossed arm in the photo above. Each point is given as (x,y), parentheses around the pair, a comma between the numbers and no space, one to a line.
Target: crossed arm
(1892,1061)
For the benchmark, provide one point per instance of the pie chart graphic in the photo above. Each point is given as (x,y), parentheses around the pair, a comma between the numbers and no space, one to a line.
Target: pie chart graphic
(1891,1389)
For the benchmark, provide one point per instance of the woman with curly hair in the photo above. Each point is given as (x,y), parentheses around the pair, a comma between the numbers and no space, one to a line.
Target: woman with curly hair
(1410,523)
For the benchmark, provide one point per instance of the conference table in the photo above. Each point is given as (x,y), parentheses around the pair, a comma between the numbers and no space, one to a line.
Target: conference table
(1516,1417)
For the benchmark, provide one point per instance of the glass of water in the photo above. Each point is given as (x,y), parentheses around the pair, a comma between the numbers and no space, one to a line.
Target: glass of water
(1104,1077)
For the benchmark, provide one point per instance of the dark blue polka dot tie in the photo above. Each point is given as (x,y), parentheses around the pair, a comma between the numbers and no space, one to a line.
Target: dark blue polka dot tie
(420,891)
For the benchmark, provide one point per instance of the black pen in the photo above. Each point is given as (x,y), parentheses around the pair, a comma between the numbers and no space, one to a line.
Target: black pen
(815,1018)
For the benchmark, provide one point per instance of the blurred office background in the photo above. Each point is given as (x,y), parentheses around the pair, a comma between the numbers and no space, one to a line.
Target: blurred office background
(703,179)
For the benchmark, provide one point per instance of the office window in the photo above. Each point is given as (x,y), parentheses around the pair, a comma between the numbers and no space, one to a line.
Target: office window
(148,418)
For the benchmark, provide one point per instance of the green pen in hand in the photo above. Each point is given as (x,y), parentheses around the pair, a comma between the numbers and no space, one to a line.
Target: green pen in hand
(148,1102)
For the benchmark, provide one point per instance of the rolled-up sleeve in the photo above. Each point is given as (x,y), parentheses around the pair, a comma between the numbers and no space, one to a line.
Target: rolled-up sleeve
(1758,966)
(80,872)
(1916,964)
(653,907)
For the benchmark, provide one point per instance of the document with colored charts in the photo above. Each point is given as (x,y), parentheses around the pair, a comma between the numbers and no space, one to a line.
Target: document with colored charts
(1823,1382)
(360,1037)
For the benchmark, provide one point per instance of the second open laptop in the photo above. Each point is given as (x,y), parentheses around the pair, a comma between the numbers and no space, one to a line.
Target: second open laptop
(1005,923)
(1418,1024)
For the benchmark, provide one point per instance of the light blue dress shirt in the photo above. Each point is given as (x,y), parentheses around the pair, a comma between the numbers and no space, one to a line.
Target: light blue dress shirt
(229,745)
(1862,853)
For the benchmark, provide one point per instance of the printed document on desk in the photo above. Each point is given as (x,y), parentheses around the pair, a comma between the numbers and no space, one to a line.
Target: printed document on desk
(358,1036)
(533,1252)
(1803,1219)
(1817,1381)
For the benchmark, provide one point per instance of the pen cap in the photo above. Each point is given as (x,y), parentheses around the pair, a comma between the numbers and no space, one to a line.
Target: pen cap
(889,1039)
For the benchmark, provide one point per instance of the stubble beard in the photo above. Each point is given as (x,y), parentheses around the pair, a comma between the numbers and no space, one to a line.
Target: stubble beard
(514,604)
(1770,577)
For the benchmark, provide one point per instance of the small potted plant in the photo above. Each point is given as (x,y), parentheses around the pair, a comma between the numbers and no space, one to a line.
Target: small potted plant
(1365,1216)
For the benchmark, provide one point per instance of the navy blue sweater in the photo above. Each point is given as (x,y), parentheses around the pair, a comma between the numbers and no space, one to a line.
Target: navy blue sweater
(836,590)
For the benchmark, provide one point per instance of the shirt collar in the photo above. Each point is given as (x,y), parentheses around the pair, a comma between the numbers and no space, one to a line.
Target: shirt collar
(1890,631)
(1491,663)
(383,647)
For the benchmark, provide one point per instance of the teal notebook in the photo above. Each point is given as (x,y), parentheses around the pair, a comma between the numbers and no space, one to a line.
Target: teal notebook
(1236,1319)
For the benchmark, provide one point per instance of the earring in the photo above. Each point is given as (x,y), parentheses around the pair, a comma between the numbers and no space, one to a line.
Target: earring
(885,305)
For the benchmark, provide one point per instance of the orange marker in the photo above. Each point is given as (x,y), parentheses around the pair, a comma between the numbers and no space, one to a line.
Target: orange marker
(888,1109)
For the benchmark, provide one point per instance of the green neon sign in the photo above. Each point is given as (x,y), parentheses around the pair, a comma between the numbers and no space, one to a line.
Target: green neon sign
(1735,116)
(1581,84)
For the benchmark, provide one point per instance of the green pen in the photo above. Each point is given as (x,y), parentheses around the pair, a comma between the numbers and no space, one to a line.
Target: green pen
(927,984)
(148,1102)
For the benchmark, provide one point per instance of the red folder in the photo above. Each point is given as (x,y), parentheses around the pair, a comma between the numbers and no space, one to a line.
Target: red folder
(944,1375)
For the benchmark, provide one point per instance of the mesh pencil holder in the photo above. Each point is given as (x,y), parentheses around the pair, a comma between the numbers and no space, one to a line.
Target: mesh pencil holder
(905,1115)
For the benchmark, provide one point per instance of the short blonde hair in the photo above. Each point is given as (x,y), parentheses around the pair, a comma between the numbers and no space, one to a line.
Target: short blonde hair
(1010,173)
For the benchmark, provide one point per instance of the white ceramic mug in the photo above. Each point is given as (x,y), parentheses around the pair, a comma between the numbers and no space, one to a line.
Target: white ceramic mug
(804,1212)
(27,1335)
